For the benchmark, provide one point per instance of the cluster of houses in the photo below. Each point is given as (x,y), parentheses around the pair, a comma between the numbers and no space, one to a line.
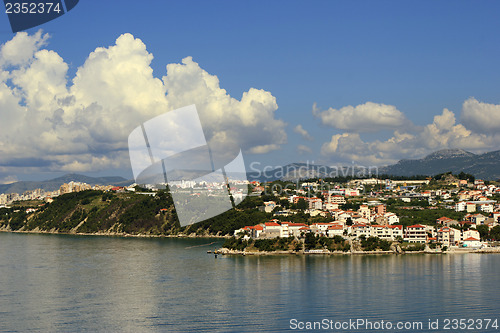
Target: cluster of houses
(418,233)
(372,219)
(375,212)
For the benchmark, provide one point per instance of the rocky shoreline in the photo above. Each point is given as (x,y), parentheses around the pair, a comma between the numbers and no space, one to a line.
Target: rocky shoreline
(225,251)
(109,233)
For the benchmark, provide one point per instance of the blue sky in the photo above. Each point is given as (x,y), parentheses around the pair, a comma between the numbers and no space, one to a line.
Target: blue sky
(390,80)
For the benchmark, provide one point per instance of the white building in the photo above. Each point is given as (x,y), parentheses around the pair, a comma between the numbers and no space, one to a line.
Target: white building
(472,243)
(486,208)
(335,230)
(460,206)
(416,234)
(470,207)
(392,218)
(387,232)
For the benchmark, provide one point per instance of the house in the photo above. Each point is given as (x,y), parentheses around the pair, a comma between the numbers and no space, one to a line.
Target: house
(364,211)
(360,220)
(470,207)
(271,230)
(387,232)
(416,234)
(304,230)
(330,206)
(380,209)
(472,242)
(351,192)
(316,212)
(320,228)
(460,206)
(380,219)
(392,218)
(446,221)
(335,230)
(268,206)
(315,203)
(251,231)
(448,236)
(291,229)
(471,233)
(358,230)
(336,199)
(486,208)
(496,217)
(343,217)
(477,219)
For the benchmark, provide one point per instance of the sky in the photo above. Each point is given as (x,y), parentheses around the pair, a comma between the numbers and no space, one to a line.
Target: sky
(329,82)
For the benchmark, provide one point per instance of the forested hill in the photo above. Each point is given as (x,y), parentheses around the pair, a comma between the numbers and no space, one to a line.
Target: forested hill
(123,213)
(484,166)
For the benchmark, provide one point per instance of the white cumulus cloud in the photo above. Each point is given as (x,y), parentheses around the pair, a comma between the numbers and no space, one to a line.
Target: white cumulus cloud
(442,133)
(481,117)
(368,117)
(82,123)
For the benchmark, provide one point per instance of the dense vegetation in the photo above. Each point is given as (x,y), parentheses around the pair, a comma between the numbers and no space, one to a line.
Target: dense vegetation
(337,243)
(310,242)
(131,213)
(414,212)
(374,243)
(275,244)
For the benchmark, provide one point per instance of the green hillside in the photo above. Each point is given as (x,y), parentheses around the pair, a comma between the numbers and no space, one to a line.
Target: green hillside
(123,213)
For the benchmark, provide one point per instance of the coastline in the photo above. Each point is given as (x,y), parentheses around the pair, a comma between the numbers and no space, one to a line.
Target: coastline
(226,251)
(110,234)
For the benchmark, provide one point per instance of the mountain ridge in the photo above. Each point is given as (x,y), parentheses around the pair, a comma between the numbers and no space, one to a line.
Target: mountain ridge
(485,166)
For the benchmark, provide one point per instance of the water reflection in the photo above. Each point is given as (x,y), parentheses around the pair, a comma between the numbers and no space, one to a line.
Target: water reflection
(68,283)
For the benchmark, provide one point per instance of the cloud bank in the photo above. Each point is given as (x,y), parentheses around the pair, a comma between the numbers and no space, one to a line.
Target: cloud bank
(479,132)
(82,123)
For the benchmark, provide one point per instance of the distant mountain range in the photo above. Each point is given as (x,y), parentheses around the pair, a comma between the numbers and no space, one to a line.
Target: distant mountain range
(54,184)
(485,166)
(296,171)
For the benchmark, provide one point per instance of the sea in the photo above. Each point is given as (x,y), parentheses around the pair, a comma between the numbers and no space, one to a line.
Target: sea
(67,283)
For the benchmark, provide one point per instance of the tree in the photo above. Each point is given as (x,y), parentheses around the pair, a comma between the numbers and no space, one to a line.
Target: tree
(495,233)
(284,203)
(384,245)
(483,231)
(310,241)
(302,204)
(338,239)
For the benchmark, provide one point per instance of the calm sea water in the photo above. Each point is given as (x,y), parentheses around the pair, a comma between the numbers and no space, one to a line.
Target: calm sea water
(78,283)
